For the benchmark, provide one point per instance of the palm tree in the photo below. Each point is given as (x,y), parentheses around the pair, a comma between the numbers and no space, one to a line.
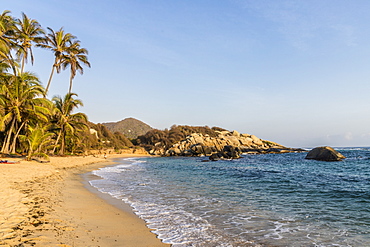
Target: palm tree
(21,104)
(3,67)
(7,27)
(74,57)
(67,122)
(58,42)
(37,140)
(28,31)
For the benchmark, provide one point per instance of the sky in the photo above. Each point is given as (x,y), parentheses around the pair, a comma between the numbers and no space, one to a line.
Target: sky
(295,72)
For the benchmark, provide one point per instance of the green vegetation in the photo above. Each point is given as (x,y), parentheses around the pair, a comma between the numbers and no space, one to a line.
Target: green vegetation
(30,123)
(166,138)
(130,127)
(114,140)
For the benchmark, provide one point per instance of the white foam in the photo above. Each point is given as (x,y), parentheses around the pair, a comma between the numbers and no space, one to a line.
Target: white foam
(191,212)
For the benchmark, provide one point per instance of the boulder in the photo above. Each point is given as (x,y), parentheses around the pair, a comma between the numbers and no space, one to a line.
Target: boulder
(187,152)
(228,152)
(196,138)
(208,150)
(225,133)
(232,152)
(325,154)
(215,157)
(196,149)
(235,133)
(246,141)
(256,140)
(233,140)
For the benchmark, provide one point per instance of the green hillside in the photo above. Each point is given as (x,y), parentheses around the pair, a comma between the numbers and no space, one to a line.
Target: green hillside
(130,127)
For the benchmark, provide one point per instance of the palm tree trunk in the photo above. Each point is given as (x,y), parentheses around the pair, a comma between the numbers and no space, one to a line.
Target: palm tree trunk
(70,84)
(12,64)
(29,154)
(15,138)
(23,59)
(5,148)
(62,145)
(51,76)
(56,142)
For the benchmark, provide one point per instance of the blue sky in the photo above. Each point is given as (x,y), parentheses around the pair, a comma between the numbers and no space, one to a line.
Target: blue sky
(294,72)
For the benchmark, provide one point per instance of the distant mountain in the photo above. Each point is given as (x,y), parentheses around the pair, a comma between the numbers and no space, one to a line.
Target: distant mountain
(130,127)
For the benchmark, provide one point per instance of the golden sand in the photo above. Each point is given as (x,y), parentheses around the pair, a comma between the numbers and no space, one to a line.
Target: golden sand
(47,204)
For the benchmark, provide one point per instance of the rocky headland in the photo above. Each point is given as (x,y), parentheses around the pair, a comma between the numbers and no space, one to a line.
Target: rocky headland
(222,145)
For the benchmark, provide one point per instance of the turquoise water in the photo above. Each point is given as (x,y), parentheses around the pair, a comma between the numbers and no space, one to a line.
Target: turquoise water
(259,200)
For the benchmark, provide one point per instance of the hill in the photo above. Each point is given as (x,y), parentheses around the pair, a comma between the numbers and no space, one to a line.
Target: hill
(130,127)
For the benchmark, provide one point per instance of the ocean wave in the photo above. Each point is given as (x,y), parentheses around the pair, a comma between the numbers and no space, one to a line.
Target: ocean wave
(278,200)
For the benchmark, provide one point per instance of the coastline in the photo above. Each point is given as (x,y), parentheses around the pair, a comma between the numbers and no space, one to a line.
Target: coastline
(49,204)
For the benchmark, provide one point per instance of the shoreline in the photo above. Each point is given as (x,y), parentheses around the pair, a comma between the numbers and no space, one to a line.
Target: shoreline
(87,176)
(50,204)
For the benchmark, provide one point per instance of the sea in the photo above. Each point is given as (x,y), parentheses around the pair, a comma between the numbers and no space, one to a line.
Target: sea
(258,200)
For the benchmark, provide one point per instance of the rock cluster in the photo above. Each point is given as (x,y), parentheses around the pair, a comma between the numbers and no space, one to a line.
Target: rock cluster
(228,152)
(226,145)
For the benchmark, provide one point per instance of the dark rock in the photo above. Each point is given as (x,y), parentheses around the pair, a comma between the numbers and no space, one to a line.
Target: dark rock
(207,150)
(170,153)
(324,154)
(215,157)
(196,149)
(273,150)
(231,152)
(225,155)
(251,150)
(199,149)
(228,152)
(187,153)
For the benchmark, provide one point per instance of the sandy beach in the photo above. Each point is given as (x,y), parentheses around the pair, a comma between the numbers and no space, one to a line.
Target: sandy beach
(48,204)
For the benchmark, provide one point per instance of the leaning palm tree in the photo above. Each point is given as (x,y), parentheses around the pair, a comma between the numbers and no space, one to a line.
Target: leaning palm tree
(67,122)
(58,42)
(28,31)
(75,57)
(21,103)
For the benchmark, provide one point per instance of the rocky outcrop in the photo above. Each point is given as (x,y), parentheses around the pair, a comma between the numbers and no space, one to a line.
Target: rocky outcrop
(226,145)
(228,152)
(325,154)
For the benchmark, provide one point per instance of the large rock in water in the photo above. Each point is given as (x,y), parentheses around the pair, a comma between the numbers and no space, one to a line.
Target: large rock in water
(325,154)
